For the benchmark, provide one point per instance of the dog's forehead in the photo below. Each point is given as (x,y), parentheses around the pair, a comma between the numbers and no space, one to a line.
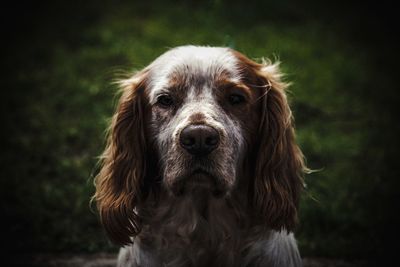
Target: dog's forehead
(192,63)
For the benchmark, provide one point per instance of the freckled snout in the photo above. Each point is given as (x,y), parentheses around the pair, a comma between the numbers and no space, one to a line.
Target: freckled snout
(199,139)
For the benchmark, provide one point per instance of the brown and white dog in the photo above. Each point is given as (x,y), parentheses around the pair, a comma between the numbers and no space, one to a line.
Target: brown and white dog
(201,166)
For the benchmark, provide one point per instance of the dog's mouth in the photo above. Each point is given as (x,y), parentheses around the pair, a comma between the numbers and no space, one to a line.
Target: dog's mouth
(199,181)
(201,178)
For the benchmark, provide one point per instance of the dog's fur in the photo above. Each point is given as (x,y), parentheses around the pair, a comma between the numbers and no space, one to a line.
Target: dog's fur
(235,206)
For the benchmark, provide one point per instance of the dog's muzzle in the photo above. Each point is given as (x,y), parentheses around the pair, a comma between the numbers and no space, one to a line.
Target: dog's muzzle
(199,141)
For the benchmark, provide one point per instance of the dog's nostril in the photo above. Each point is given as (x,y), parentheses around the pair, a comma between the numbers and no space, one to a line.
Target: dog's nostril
(188,141)
(199,139)
(211,141)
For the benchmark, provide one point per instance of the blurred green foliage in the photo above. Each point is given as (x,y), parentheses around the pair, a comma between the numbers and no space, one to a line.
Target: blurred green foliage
(61,59)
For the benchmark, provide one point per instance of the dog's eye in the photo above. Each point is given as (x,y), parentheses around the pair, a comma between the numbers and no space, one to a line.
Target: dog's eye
(235,99)
(165,100)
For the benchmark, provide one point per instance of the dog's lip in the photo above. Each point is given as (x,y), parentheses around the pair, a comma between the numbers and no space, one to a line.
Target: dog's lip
(201,171)
(200,179)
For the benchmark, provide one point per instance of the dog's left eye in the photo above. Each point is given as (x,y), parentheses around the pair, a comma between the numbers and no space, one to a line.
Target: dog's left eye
(165,100)
(235,99)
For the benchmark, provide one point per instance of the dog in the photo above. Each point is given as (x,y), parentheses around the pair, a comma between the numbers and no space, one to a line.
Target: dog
(201,166)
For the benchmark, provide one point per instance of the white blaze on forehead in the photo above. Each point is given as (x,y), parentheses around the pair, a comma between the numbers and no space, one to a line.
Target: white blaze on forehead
(202,61)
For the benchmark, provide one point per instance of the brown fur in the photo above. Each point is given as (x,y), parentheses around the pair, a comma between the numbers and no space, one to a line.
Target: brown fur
(278,177)
(123,166)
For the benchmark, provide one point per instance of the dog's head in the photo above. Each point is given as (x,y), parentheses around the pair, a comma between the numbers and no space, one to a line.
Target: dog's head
(201,118)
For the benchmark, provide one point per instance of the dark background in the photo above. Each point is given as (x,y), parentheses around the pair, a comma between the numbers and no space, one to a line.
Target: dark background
(59,59)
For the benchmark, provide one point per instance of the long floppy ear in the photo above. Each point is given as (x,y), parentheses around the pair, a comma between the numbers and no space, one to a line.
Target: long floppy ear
(279,164)
(123,164)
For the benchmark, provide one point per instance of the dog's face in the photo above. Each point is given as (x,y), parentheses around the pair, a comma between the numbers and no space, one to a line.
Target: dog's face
(203,116)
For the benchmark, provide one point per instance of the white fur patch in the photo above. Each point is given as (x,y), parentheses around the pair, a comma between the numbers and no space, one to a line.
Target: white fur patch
(203,61)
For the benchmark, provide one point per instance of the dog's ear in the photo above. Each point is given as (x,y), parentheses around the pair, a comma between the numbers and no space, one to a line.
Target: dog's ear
(279,163)
(123,164)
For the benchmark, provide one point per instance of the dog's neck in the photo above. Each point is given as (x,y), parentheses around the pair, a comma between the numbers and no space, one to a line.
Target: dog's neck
(194,221)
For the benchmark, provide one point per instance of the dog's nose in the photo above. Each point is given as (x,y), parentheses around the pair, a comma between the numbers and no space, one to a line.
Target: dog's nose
(199,139)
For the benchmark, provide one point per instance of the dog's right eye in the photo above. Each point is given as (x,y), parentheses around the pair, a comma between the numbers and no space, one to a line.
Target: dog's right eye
(165,101)
(236,99)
